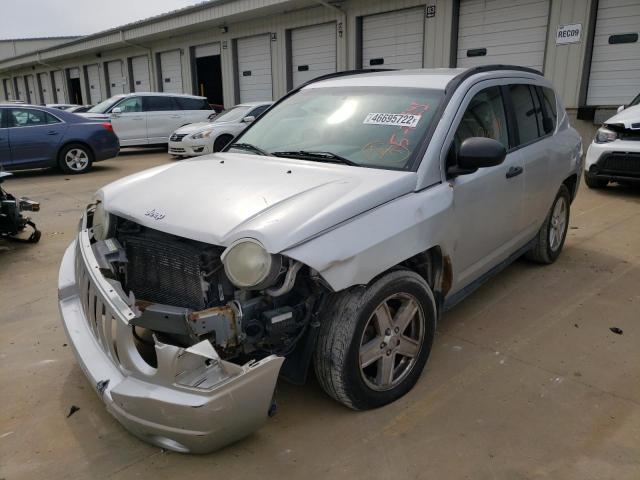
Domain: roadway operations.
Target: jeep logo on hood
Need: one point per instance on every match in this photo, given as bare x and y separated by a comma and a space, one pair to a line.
153, 213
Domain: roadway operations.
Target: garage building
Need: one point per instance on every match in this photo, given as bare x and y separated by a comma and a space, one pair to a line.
244, 50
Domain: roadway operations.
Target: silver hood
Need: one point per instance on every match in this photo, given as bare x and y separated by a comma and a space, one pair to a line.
223, 197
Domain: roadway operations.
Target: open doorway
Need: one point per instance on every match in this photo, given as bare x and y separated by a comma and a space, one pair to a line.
75, 90
208, 74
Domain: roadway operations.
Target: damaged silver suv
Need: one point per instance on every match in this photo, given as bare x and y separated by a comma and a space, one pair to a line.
331, 235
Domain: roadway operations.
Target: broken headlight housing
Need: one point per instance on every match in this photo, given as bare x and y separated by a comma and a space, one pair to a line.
605, 135
248, 265
102, 222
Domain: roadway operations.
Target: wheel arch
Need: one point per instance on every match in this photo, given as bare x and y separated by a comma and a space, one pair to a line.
571, 182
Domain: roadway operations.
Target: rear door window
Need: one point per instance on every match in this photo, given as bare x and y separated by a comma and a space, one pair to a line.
484, 117
25, 117
158, 104
525, 113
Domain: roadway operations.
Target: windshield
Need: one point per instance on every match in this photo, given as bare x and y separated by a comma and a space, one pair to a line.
102, 107
233, 115
379, 127
635, 101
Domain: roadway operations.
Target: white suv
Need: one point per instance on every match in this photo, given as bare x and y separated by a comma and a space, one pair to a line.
332, 234
150, 118
614, 154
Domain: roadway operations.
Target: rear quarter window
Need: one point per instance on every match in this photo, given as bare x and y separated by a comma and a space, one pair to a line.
192, 103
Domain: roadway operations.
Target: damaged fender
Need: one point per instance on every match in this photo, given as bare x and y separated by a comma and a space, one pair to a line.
387, 235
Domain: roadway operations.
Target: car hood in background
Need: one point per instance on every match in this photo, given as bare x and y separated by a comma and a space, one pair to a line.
224, 197
193, 128
628, 117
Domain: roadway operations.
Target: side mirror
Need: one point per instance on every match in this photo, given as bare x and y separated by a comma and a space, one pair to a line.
249, 119
475, 153
116, 111
620, 108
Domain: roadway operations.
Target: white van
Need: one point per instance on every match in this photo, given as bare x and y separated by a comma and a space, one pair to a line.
150, 118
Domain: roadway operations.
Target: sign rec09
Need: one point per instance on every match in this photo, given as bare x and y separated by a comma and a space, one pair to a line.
568, 33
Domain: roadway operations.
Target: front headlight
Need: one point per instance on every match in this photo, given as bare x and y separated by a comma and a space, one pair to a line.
248, 265
202, 134
102, 222
605, 135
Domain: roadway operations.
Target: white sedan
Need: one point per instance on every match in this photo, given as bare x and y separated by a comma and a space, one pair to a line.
208, 137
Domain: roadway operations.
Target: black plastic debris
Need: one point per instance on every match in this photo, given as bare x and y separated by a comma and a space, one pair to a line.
73, 410
101, 386
616, 330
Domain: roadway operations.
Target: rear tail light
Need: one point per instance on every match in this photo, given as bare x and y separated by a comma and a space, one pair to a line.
108, 126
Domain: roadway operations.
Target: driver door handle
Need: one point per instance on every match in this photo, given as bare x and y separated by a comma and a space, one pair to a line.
52, 132
514, 172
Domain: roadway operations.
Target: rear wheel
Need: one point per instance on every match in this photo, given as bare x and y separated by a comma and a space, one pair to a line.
553, 233
374, 341
595, 182
221, 142
75, 158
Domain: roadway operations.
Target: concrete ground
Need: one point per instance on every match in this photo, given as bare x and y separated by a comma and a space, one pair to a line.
526, 381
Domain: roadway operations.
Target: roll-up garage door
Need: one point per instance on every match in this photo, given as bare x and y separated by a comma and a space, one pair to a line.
93, 81
117, 80
207, 50
502, 31
171, 71
58, 86
615, 64
140, 72
31, 89
254, 68
394, 39
46, 93
313, 52
21, 89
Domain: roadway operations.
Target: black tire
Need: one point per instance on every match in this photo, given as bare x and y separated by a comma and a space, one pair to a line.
221, 142
337, 358
545, 251
85, 159
595, 182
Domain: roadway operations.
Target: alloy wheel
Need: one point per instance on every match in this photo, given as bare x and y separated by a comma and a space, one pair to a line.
76, 159
558, 224
391, 341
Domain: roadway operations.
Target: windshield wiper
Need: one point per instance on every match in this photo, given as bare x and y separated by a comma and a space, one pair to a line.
251, 148
318, 156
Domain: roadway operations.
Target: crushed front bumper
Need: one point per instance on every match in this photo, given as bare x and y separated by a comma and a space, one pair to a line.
189, 403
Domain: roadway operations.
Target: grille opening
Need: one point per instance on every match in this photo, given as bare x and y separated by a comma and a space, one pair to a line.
143, 340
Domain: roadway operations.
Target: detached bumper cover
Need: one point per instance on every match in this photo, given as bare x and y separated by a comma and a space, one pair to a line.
189, 403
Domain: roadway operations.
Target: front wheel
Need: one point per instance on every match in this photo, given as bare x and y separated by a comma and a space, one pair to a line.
552, 234
221, 142
374, 341
75, 158
594, 182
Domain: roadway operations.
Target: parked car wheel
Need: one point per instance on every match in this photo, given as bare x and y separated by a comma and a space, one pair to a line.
75, 158
221, 142
594, 182
375, 340
553, 233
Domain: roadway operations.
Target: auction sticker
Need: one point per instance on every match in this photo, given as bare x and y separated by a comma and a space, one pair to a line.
393, 119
